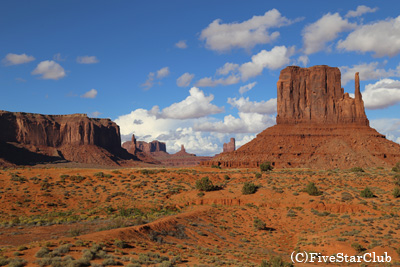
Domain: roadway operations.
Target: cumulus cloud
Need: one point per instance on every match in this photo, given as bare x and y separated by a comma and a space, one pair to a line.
210, 82
303, 60
361, 10
15, 59
388, 127
196, 105
368, 71
382, 94
246, 123
324, 30
228, 68
181, 44
246, 106
50, 70
162, 73
173, 132
95, 114
58, 57
245, 88
87, 60
185, 80
278, 57
90, 94
222, 37
382, 38
152, 77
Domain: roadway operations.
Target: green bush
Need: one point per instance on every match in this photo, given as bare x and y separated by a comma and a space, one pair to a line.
205, 184
357, 169
358, 247
42, 252
312, 190
120, 244
249, 188
258, 175
259, 224
396, 192
276, 262
396, 168
266, 166
367, 193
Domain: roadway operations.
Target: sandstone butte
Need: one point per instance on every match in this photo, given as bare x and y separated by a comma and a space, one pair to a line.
157, 151
317, 126
28, 138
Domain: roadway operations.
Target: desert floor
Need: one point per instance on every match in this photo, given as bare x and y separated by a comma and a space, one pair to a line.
157, 217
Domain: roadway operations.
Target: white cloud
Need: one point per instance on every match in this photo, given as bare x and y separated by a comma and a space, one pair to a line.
90, 94
173, 132
245, 88
185, 79
360, 11
151, 77
368, 71
303, 60
58, 57
324, 30
382, 38
228, 68
246, 106
278, 57
223, 37
210, 82
95, 114
382, 94
245, 139
50, 70
15, 59
162, 73
246, 123
87, 60
181, 44
196, 105
388, 127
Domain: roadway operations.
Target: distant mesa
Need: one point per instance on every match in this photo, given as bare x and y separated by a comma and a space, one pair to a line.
28, 139
318, 126
157, 150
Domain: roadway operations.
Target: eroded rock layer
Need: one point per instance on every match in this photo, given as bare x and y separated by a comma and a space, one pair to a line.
27, 138
318, 126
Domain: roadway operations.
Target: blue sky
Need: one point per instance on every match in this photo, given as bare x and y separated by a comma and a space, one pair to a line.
192, 72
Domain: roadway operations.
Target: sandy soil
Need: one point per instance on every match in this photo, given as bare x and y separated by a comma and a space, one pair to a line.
156, 217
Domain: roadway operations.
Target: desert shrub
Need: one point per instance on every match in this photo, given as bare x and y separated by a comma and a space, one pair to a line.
259, 224
18, 262
312, 190
266, 166
367, 193
4, 261
357, 169
226, 177
396, 179
258, 175
111, 262
99, 174
359, 248
396, 192
276, 262
396, 168
120, 244
346, 196
205, 184
42, 252
249, 188
216, 166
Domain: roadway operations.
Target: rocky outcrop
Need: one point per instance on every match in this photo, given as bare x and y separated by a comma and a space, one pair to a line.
73, 137
318, 126
229, 147
314, 95
153, 146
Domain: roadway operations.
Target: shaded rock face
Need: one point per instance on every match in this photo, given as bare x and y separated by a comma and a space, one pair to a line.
318, 126
229, 147
61, 137
153, 146
314, 95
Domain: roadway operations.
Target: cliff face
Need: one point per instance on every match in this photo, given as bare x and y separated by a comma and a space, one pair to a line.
314, 95
318, 126
153, 146
62, 137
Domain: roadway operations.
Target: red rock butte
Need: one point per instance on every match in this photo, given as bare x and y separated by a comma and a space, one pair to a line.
318, 126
